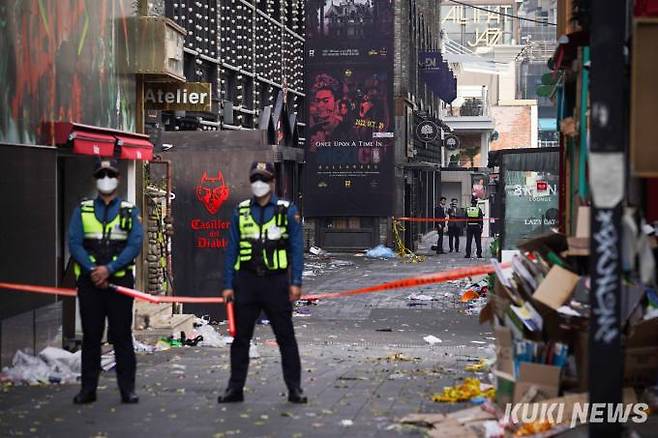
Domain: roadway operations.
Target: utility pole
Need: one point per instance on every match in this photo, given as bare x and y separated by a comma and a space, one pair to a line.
607, 181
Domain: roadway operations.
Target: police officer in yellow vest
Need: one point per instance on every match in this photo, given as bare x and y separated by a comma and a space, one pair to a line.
263, 271
474, 223
105, 236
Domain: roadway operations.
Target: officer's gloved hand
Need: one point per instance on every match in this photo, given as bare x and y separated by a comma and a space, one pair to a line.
228, 295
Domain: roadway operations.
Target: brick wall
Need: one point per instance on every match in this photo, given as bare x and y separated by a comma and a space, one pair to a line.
514, 124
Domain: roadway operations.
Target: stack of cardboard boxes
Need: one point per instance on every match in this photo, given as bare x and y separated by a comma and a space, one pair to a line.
540, 311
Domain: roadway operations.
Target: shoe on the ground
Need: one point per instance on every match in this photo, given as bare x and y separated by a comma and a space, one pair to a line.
84, 397
467, 256
450, 251
129, 398
231, 396
479, 256
297, 396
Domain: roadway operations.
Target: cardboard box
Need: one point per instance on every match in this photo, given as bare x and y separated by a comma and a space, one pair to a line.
552, 241
504, 388
580, 243
556, 288
504, 350
578, 247
545, 378
643, 334
641, 366
500, 299
583, 219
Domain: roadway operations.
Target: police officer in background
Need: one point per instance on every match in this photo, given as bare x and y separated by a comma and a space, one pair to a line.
474, 223
263, 271
105, 237
440, 213
454, 226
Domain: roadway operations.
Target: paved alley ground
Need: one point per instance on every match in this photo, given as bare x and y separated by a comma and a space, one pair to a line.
364, 359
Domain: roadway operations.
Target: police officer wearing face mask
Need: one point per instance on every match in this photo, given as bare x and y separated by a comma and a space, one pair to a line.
263, 271
105, 237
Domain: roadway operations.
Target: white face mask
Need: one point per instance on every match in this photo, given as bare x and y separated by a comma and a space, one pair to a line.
260, 188
107, 185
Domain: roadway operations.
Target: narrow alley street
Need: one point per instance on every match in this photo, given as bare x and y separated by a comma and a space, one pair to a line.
364, 358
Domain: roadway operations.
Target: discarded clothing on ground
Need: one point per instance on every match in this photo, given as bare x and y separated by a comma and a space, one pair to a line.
380, 252
52, 365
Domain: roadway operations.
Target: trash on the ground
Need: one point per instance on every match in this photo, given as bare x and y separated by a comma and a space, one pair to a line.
308, 274
530, 429
398, 357
470, 388
396, 376
449, 426
475, 306
211, 337
493, 429
352, 378
469, 295
253, 351
306, 302
315, 250
108, 361
52, 365
423, 420
481, 366
301, 312
421, 297
141, 347
380, 252
346, 423
431, 339
385, 329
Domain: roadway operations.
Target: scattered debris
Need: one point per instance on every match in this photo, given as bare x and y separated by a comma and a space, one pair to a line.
347, 423
421, 297
141, 347
431, 339
481, 366
317, 251
398, 357
530, 429
470, 389
380, 252
108, 361
52, 365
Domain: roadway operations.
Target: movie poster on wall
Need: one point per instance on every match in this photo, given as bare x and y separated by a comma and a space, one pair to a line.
349, 89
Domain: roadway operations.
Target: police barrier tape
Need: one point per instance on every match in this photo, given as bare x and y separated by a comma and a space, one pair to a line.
439, 219
441, 277
139, 295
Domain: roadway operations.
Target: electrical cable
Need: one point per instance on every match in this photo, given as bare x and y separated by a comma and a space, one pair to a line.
516, 17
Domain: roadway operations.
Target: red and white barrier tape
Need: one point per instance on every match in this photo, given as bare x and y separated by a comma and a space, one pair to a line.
441, 277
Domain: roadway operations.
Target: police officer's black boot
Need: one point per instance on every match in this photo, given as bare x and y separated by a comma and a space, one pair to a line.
129, 398
297, 396
231, 396
84, 397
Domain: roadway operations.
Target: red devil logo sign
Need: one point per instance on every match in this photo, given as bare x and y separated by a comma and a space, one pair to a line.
212, 191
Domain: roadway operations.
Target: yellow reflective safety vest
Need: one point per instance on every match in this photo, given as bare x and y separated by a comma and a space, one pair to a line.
104, 242
263, 248
473, 213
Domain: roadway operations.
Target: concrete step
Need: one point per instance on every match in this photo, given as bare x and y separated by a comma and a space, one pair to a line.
147, 312
165, 327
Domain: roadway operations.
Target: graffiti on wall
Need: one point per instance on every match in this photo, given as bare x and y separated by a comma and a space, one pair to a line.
60, 63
